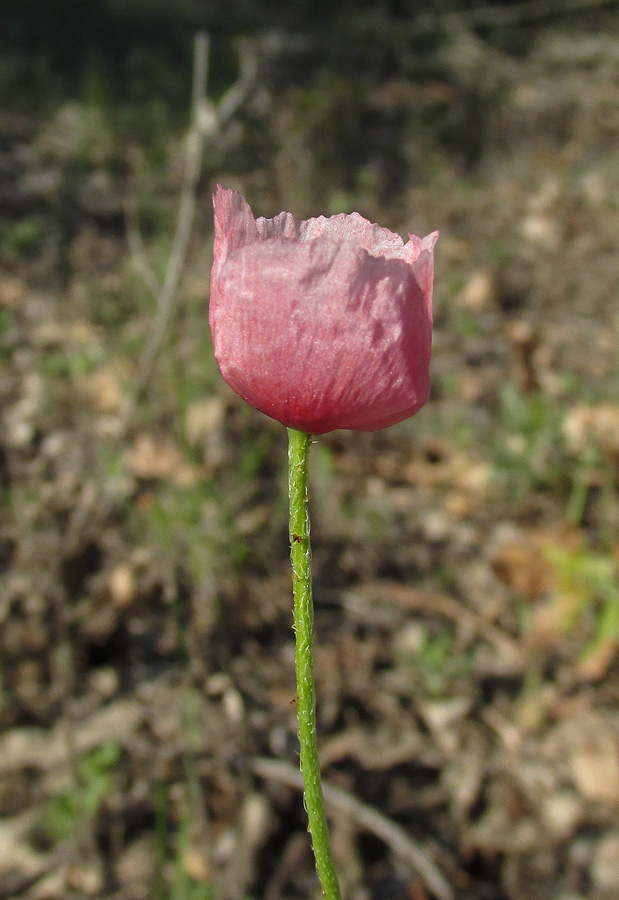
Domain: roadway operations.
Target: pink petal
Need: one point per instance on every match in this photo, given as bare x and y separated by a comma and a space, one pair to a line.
235, 225
324, 323
322, 336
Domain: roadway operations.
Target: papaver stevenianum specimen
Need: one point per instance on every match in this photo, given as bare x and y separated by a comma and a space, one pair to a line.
321, 324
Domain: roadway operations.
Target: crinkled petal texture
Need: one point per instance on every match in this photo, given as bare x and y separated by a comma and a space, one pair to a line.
321, 324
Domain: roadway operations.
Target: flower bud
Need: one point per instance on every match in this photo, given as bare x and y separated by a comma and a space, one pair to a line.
324, 323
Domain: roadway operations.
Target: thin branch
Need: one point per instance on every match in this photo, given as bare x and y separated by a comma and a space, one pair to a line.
337, 800
207, 120
235, 94
137, 249
186, 215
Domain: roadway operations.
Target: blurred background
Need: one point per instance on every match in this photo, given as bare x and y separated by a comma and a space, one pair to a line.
467, 602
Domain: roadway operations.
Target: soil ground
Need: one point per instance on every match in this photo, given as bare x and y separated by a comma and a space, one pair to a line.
465, 561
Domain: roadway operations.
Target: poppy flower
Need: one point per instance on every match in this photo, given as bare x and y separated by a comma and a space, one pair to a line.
324, 323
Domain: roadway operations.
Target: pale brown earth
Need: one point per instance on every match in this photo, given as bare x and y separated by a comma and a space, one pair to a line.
467, 603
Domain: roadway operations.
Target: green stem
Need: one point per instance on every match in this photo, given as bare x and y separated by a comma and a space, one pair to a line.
301, 559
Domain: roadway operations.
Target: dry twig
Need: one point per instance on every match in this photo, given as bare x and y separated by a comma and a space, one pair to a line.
202, 123
207, 120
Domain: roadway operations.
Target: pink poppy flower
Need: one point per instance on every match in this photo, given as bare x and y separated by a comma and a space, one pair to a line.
321, 324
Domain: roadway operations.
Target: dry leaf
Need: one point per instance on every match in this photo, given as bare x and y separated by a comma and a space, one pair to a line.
471, 385
525, 342
102, 388
202, 417
439, 463
479, 293
196, 866
541, 230
594, 763
121, 585
18, 861
598, 425
551, 619
594, 664
78, 332
12, 292
605, 868
521, 559
151, 459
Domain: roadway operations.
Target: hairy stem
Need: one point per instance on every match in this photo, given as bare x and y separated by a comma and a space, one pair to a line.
301, 559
